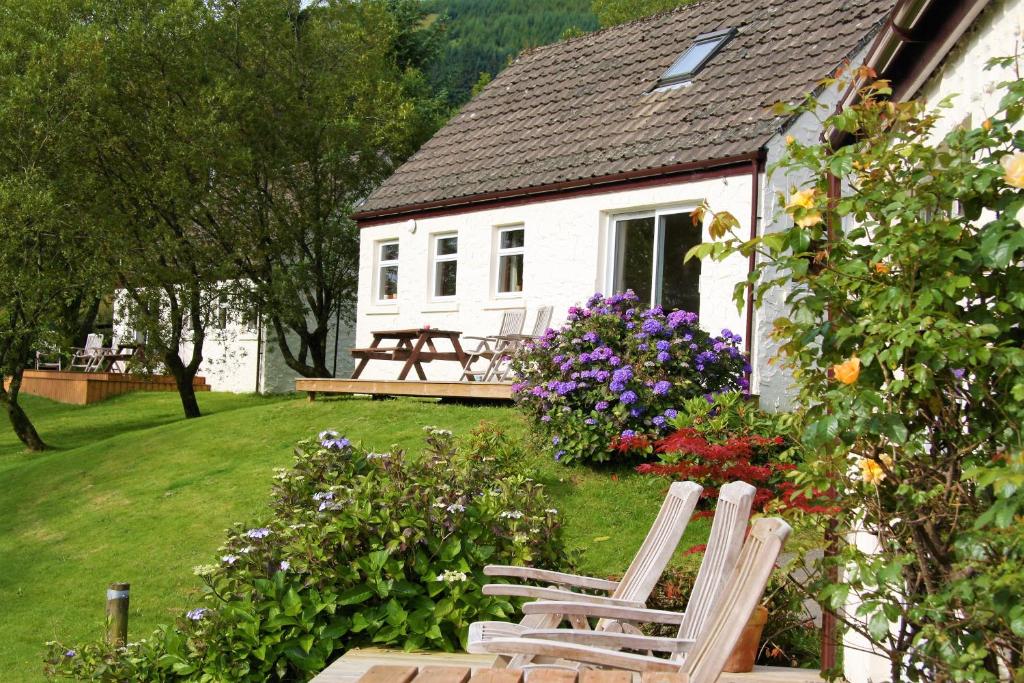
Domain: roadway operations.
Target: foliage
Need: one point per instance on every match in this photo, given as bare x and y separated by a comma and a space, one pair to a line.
906, 299
482, 36
616, 374
790, 637
361, 548
614, 12
47, 253
728, 439
313, 109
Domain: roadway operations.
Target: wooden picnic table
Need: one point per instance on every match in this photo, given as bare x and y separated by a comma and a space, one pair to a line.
413, 347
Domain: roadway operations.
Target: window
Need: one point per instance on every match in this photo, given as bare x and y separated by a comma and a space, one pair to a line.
696, 56
647, 256
387, 270
511, 246
446, 265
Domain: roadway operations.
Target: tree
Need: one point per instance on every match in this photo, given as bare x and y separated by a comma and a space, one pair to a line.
46, 264
614, 12
313, 108
905, 335
144, 133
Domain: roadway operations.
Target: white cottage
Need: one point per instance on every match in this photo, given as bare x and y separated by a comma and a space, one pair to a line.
577, 170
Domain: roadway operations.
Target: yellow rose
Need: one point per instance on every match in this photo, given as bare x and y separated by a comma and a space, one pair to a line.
848, 371
804, 199
1013, 167
790, 139
870, 471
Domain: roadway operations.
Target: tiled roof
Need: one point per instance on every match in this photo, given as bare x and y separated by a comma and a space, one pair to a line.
585, 108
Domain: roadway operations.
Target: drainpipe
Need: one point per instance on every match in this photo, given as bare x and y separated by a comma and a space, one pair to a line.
259, 348
756, 165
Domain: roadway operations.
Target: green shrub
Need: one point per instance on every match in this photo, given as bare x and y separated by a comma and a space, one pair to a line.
360, 548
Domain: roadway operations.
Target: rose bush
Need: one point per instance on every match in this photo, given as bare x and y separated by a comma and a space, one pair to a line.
906, 341
614, 376
360, 548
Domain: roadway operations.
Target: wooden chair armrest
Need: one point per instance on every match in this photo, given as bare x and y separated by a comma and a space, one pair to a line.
602, 609
557, 594
628, 641
547, 576
573, 652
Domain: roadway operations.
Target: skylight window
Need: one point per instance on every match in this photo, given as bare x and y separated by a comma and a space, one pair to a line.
696, 56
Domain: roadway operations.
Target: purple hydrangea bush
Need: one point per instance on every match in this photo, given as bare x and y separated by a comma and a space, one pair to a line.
618, 371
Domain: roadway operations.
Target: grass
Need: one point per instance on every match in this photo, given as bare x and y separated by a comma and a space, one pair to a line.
132, 492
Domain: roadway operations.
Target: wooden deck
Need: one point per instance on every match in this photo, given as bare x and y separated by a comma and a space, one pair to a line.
350, 667
489, 391
84, 388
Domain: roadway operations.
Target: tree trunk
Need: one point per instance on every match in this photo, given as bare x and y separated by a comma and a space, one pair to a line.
183, 377
313, 343
20, 421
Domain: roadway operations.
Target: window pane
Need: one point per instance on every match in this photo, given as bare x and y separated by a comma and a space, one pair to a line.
444, 278
389, 252
680, 282
634, 253
447, 245
510, 273
389, 282
512, 239
692, 58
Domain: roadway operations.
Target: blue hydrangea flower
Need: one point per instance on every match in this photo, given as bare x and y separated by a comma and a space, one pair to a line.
197, 613
663, 356
601, 405
627, 397
663, 345
663, 387
671, 413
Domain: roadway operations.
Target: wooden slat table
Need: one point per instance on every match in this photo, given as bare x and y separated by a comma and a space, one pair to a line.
413, 346
463, 674
357, 662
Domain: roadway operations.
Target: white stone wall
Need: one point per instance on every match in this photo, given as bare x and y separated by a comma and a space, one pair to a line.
238, 359
566, 260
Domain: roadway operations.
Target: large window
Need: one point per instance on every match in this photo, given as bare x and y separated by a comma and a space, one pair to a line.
387, 270
511, 247
446, 265
647, 257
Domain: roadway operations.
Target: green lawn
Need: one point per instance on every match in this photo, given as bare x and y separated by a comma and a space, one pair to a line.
132, 492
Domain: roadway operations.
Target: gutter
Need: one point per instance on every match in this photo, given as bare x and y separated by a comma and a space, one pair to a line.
912, 43
473, 202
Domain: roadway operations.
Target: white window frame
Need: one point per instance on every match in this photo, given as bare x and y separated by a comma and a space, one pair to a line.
659, 245
380, 265
499, 253
437, 259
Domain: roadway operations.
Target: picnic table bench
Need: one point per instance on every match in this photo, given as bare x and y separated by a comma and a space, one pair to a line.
413, 347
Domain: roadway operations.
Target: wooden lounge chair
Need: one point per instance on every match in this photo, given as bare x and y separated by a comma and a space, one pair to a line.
87, 358
633, 589
511, 324
723, 548
699, 659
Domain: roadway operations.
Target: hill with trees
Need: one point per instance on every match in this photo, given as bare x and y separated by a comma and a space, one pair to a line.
483, 35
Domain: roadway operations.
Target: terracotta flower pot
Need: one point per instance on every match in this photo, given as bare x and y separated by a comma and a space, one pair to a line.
745, 653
